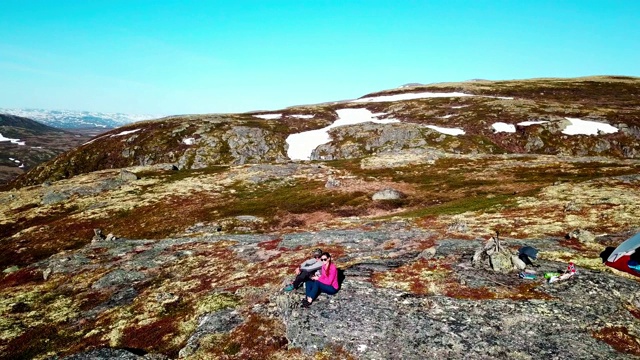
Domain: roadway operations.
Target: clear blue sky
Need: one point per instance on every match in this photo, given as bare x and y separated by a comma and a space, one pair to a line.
190, 56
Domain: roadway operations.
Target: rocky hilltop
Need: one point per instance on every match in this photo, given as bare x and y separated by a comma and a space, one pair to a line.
202, 220
488, 117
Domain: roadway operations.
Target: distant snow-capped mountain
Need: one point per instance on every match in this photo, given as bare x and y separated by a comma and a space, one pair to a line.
68, 119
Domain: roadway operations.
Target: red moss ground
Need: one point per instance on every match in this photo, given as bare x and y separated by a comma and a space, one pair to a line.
256, 338
154, 337
21, 277
619, 338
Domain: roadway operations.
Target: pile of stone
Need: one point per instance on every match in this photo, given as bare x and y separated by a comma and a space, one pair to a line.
496, 257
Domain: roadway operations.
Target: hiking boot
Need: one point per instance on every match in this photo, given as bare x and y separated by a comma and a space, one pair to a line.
305, 303
289, 288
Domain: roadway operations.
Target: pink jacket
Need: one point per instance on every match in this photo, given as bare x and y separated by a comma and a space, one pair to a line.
329, 277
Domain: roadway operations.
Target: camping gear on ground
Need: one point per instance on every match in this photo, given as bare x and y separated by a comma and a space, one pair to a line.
525, 259
554, 276
524, 275
632, 264
549, 275
528, 251
624, 254
564, 276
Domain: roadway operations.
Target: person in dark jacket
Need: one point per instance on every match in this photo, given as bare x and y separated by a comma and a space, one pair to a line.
306, 270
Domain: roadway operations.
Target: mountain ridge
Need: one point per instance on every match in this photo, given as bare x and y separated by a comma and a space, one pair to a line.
72, 119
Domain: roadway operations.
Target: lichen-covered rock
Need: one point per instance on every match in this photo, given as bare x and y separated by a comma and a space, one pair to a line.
53, 197
114, 354
501, 262
117, 278
582, 235
387, 194
127, 176
221, 321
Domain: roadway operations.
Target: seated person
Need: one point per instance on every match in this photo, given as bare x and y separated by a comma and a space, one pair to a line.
306, 270
326, 283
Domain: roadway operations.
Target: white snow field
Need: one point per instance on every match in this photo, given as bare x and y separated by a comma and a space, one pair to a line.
448, 131
126, 132
585, 127
302, 144
532, 122
422, 95
269, 116
503, 127
577, 127
13, 141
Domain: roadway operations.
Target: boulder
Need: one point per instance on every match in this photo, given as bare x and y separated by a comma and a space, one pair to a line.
388, 194
500, 262
427, 253
517, 263
127, 175
332, 183
584, 236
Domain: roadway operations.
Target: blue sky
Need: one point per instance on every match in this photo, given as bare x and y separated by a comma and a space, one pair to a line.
189, 56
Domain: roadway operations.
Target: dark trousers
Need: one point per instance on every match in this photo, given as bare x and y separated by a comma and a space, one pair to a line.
300, 278
313, 288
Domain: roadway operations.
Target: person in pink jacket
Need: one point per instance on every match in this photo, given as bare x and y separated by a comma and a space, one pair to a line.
326, 283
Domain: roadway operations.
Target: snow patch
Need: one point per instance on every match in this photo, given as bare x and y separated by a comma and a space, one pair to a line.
503, 127
189, 141
126, 132
501, 97
448, 131
303, 116
301, 145
459, 107
13, 141
445, 116
528, 123
362, 348
269, 116
17, 161
410, 96
90, 141
586, 127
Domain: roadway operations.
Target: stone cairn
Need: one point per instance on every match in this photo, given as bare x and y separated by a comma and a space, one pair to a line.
100, 237
497, 257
